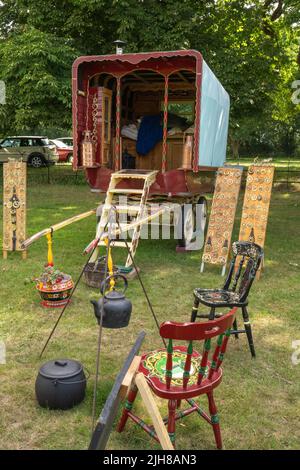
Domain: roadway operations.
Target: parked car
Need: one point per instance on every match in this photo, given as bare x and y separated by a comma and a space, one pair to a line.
65, 152
35, 150
66, 140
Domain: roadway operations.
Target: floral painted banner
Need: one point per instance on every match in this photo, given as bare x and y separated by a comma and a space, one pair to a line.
221, 221
256, 204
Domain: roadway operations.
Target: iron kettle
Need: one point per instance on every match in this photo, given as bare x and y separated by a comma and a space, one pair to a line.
116, 307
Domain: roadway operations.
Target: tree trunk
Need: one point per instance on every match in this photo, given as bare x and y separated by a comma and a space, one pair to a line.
235, 146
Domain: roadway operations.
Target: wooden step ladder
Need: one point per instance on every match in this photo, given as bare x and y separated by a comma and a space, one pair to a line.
111, 208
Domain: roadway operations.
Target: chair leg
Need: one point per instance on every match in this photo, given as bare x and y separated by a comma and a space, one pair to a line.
248, 330
214, 419
212, 313
235, 327
172, 405
128, 406
195, 310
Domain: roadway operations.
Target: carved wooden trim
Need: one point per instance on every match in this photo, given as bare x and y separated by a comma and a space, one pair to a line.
14, 205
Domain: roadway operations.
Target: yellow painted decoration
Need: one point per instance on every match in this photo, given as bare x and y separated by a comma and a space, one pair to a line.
50, 254
110, 266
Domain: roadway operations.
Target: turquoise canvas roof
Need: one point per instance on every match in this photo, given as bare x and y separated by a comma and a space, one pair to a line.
214, 120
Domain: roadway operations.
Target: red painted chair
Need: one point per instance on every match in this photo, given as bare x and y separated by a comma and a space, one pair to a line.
181, 373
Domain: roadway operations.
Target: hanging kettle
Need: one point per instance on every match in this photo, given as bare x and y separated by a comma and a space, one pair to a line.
116, 307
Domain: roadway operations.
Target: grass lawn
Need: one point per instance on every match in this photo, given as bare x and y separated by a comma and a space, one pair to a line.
259, 400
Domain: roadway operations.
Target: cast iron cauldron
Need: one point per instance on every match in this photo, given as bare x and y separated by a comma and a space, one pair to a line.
60, 384
116, 308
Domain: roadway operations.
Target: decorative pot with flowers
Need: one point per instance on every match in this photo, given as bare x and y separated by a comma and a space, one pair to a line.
54, 286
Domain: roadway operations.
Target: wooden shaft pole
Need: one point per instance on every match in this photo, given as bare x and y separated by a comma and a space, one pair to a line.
126, 228
55, 227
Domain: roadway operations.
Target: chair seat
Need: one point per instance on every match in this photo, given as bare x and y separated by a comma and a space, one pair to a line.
219, 298
153, 366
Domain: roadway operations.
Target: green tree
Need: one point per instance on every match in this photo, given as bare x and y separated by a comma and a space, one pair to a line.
250, 44
283, 24
36, 68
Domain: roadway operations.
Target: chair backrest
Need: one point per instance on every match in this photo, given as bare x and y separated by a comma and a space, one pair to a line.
202, 331
241, 274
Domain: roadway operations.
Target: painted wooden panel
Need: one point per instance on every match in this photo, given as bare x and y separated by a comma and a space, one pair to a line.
256, 204
14, 205
221, 221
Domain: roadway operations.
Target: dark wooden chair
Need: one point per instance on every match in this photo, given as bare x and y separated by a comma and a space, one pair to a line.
181, 373
235, 290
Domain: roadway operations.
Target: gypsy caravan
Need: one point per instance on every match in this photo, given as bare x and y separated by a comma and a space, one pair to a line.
150, 124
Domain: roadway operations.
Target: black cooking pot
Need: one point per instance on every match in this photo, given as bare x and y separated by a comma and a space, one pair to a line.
116, 307
60, 384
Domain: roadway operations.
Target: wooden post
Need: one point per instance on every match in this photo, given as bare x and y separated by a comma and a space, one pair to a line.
165, 127
129, 377
118, 124
153, 411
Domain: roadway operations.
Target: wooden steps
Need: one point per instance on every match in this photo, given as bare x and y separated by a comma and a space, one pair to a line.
130, 209
127, 191
110, 210
136, 174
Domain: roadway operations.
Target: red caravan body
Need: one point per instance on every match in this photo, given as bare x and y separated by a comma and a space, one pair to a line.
169, 181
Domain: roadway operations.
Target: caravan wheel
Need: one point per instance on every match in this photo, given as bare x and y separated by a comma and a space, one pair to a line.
186, 226
201, 213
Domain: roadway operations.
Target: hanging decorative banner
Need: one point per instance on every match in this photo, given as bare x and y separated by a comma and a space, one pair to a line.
218, 238
88, 150
256, 204
96, 143
14, 206
89, 143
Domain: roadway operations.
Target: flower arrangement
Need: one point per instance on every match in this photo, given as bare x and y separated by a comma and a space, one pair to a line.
54, 286
52, 276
